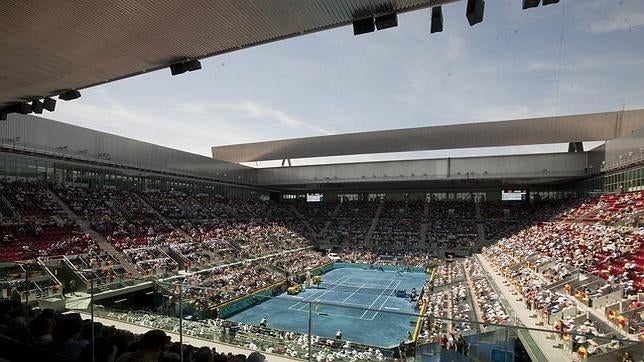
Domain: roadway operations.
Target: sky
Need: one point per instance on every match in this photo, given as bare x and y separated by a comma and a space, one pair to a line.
578, 56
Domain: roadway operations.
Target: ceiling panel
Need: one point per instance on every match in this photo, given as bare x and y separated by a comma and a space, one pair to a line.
48, 46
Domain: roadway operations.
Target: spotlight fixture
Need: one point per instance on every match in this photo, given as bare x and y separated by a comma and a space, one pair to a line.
363, 26
475, 9
187, 66
23, 108
49, 104
530, 4
437, 20
548, 2
37, 106
193, 65
178, 68
386, 21
69, 95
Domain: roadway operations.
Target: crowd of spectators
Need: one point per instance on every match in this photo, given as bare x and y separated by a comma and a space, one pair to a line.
384, 257
152, 260
609, 209
396, 233
53, 336
613, 253
598, 236
451, 232
265, 339
488, 301
298, 262
208, 289
351, 222
32, 224
448, 304
582, 239
99, 265
114, 213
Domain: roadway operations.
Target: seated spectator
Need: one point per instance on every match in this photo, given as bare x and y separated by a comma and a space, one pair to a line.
150, 347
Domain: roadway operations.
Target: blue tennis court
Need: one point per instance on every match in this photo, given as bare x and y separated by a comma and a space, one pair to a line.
365, 307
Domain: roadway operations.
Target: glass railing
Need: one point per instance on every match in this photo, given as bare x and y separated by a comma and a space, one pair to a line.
289, 327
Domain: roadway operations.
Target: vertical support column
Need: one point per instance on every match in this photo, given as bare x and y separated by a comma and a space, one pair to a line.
507, 338
310, 352
181, 321
26, 293
91, 311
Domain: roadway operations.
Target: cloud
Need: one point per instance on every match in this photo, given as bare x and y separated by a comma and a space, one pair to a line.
582, 63
616, 16
252, 110
191, 127
180, 131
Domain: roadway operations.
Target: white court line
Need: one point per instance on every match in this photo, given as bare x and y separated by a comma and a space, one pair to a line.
375, 300
352, 294
305, 299
318, 298
385, 302
326, 291
392, 308
334, 315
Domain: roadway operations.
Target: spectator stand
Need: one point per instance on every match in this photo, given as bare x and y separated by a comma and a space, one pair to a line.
593, 291
317, 215
152, 261
101, 267
628, 315
556, 308
276, 343
28, 281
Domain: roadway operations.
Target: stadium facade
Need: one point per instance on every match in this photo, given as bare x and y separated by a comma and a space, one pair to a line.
37, 148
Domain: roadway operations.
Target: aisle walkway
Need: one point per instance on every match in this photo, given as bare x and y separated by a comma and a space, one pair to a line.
524, 315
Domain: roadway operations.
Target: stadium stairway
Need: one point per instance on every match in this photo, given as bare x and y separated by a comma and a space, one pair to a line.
104, 244
328, 222
470, 289
423, 234
6, 208
480, 230
424, 226
374, 222
303, 219
161, 217
521, 314
524, 315
637, 216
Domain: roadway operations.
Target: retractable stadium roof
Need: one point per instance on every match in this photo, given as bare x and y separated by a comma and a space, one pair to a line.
47, 47
519, 132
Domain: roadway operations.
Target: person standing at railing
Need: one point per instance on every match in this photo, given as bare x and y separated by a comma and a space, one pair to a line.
72, 287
